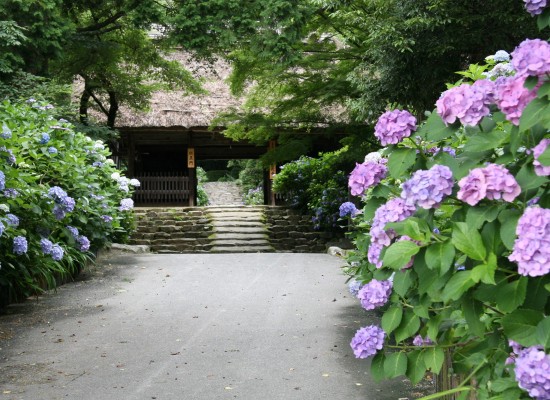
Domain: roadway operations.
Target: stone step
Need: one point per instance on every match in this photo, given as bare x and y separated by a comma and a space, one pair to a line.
238, 236
244, 229
221, 224
236, 242
242, 249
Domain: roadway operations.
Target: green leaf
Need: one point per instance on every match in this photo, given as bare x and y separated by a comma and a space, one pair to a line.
468, 241
521, 326
377, 367
544, 90
440, 256
512, 295
458, 285
400, 161
543, 333
501, 384
508, 223
477, 216
395, 365
485, 141
391, 319
485, 272
413, 227
399, 254
544, 158
402, 281
433, 326
435, 129
543, 20
433, 358
527, 178
536, 111
371, 207
531, 82
537, 295
410, 324
416, 368
473, 311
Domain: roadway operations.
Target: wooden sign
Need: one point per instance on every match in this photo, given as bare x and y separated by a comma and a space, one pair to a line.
191, 157
272, 170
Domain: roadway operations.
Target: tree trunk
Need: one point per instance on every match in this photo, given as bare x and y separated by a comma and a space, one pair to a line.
113, 109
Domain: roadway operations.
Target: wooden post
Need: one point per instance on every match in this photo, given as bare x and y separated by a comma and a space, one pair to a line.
131, 156
272, 172
192, 176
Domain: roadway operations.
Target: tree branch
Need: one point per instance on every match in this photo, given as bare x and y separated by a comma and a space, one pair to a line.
101, 25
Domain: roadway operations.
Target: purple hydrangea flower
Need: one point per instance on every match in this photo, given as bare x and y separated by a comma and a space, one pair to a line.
84, 243
532, 57
73, 231
11, 193
535, 7
2, 180
97, 164
436, 150
348, 208
427, 188
126, 205
394, 210
393, 126
532, 247
354, 286
375, 294
52, 150
58, 212
107, 218
540, 169
44, 138
366, 175
56, 193
57, 252
2, 227
46, 246
6, 132
10, 158
420, 341
516, 349
467, 103
492, 182
12, 220
68, 204
512, 97
19, 245
533, 372
367, 341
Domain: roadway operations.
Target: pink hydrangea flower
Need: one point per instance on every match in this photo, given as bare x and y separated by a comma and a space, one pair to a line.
492, 182
540, 169
366, 175
532, 247
535, 7
532, 57
467, 103
393, 126
512, 97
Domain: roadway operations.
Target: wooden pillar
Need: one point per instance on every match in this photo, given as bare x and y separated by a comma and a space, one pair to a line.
192, 176
131, 156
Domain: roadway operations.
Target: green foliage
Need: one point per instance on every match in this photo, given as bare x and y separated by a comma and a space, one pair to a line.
202, 196
71, 161
453, 282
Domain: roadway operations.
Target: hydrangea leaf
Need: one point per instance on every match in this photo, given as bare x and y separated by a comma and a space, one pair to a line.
485, 141
410, 324
440, 256
527, 178
512, 295
537, 295
544, 158
544, 90
391, 319
377, 367
468, 241
395, 365
402, 281
458, 285
485, 272
508, 223
543, 333
400, 161
537, 111
521, 326
433, 358
416, 367
477, 216
543, 19
435, 129
399, 254
473, 311
415, 228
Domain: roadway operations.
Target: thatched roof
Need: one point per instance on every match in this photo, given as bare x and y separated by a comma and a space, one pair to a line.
179, 109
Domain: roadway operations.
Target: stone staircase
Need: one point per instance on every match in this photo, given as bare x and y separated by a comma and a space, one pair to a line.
227, 229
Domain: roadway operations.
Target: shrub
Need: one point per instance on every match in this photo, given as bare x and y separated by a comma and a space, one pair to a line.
67, 197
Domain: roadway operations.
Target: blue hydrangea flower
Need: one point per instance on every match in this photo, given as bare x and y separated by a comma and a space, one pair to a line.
84, 243
57, 252
20, 245
126, 205
44, 138
348, 208
6, 132
58, 212
73, 230
12, 220
10, 158
11, 193
46, 246
2, 180
52, 150
501, 56
97, 164
107, 218
1, 228
354, 287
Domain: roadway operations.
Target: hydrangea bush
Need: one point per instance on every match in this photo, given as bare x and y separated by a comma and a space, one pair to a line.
61, 198
454, 240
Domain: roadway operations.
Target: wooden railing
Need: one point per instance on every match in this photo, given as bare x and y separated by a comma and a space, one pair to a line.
162, 187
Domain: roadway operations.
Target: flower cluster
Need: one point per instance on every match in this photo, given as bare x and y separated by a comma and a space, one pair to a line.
492, 182
6, 132
367, 341
44, 138
535, 7
20, 245
420, 341
393, 126
532, 247
83, 241
428, 188
394, 210
12, 220
366, 175
348, 208
533, 372
511, 96
55, 250
354, 286
375, 294
126, 204
467, 103
532, 57
63, 203
540, 169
